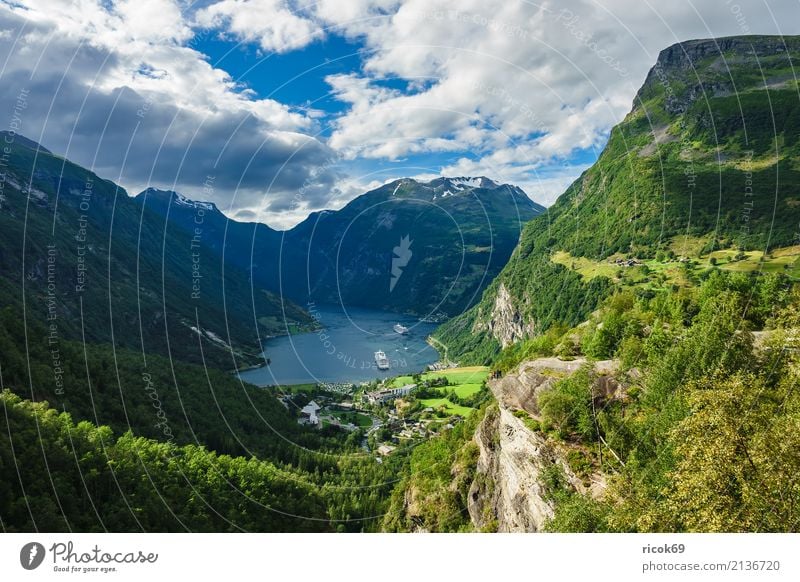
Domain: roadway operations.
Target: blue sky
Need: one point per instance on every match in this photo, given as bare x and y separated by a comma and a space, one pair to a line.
294, 107
296, 78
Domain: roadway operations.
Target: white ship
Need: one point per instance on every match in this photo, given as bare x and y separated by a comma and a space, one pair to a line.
401, 329
381, 360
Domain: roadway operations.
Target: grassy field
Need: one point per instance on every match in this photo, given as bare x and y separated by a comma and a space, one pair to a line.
464, 390
465, 375
356, 418
783, 260
464, 382
449, 407
587, 268
688, 246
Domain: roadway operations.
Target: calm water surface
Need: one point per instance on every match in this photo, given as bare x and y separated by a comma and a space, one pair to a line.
344, 350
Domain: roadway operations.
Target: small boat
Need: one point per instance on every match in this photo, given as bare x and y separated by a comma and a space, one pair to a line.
401, 329
381, 360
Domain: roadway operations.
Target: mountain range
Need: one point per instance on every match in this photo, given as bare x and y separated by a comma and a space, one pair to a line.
422, 248
162, 273
83, 257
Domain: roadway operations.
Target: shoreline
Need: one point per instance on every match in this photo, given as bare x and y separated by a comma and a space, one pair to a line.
265, 338
277, 352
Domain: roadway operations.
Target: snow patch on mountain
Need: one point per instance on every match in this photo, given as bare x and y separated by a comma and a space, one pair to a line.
479, 182
179, 199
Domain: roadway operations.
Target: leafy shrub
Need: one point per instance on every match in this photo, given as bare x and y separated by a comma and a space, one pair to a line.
567, 406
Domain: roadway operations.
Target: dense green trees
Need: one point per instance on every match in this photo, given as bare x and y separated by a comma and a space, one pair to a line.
432, 492
737, 463
567, 408
186, 408
705, 437
62, 476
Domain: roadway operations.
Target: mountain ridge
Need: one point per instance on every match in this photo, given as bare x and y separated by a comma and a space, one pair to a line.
691, 159
462, 185
345, 255
84, 246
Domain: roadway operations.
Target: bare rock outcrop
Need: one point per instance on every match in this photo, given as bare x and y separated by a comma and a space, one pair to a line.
506, 322
521, 388
507, 493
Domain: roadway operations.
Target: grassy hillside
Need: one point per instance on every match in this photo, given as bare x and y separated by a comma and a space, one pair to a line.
708, 151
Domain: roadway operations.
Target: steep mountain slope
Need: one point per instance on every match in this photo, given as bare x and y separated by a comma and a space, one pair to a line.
673, 411
705, 161
91, 263
427, 248
649, 364
422, 248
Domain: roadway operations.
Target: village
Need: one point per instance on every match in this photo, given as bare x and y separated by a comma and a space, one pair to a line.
393, 413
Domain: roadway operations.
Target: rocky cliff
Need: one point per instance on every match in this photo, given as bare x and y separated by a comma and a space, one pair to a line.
508, 493
506, 323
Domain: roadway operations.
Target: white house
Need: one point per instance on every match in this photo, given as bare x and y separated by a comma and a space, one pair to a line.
309, 412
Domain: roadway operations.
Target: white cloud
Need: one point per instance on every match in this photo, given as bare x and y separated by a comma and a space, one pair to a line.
507, 89
271, 24
516, 85
149, 35
491, 69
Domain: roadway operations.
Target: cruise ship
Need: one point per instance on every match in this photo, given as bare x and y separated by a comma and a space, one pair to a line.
401, 329
381, 360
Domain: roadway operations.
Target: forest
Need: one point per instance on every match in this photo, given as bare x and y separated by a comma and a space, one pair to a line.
201, 433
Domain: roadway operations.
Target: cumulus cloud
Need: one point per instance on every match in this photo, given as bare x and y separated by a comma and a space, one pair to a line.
519, 86
273, 24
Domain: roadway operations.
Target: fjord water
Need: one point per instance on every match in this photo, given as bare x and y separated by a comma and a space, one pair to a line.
343, 349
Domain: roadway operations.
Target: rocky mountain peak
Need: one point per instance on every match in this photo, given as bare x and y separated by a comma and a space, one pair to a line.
176, 199
462, 183
687, 54
702, 68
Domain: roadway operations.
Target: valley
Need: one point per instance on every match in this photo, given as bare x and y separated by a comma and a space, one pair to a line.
393, 415
437, 354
